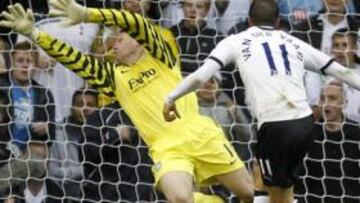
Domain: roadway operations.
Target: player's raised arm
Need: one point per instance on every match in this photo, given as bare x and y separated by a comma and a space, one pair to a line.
219, 57
318, 61
134, 24
99, 75
347, 75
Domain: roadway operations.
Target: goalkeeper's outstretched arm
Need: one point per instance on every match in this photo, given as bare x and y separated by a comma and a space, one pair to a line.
138, 27
99, 75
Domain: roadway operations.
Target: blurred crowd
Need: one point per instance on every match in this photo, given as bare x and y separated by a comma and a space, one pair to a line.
62, 141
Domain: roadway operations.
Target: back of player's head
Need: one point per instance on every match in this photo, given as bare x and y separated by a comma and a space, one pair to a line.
264, 12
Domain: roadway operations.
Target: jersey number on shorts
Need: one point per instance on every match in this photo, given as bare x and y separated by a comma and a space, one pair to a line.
265, 167
270, 58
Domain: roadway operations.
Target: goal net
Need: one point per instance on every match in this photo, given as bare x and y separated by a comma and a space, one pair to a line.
62, 141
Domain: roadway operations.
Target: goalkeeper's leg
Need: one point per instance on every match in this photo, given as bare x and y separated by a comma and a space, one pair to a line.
178, 188
240, 183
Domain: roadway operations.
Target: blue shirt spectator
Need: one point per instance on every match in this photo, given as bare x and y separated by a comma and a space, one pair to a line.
301, 9
31, 113
22, 114
311, 7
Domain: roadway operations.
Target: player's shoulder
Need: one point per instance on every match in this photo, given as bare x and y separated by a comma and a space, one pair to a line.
285, 36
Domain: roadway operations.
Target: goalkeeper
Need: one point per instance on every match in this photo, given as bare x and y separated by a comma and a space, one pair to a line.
190, 149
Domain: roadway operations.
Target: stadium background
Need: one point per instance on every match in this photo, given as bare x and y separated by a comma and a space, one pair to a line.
118, 169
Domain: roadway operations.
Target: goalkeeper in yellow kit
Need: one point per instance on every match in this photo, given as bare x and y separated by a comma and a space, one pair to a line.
190, 149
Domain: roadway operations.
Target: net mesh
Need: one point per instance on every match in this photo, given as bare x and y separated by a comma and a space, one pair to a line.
88, 154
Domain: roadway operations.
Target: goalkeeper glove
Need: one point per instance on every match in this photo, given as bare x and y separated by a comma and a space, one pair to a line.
72, 12
20, 21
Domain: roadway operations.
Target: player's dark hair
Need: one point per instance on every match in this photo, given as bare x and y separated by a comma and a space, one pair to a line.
264, 12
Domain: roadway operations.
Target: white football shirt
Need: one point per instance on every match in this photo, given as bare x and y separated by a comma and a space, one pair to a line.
272, 64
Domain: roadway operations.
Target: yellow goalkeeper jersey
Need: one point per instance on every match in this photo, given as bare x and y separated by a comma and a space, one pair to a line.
140, 88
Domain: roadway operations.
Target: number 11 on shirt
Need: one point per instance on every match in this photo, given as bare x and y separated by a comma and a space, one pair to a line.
270, 59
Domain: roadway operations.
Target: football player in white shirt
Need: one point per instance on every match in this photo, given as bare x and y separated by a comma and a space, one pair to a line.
272, 65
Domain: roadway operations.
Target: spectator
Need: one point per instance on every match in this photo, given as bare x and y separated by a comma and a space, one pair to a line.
99, 3
321, 27
318, 32
332, 164
234, 120
35, 190
297, 11
148, 8
171, 12
344, 50
62, 82
224, 14
5, 52
144, 7
65, 163
194, 38
111, 139
31, 114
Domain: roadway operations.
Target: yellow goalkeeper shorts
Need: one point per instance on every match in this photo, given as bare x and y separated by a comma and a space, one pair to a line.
202, 155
